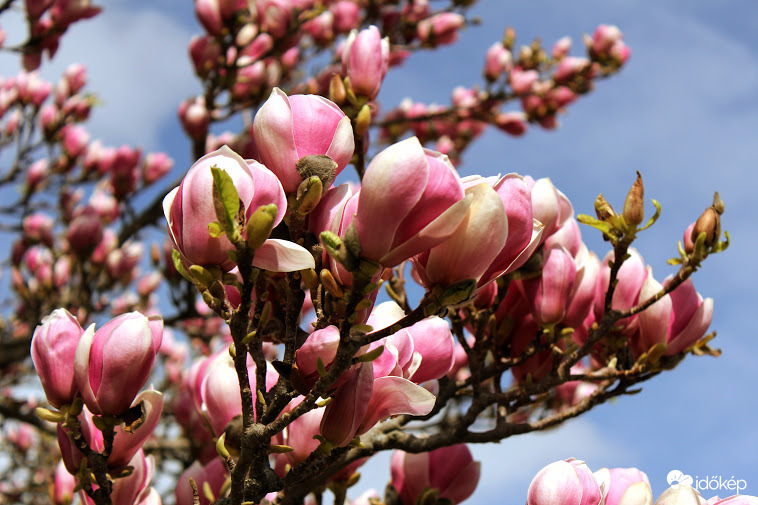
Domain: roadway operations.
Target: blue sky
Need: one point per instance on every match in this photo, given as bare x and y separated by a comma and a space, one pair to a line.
684, 113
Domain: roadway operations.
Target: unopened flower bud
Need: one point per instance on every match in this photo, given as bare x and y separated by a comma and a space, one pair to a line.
337, 89
309, 194
709, 223
319, 165
603, 209
260, 225
634, 205
337, 250
363, 121
330, 283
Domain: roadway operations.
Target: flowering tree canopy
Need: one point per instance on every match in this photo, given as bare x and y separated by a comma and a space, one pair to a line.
283, 324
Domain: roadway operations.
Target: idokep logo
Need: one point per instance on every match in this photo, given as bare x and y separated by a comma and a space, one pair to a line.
676, 477
710, 483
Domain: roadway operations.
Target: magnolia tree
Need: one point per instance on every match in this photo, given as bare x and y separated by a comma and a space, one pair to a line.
273, 313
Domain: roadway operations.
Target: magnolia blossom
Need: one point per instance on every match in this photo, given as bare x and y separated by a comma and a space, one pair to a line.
365, 59
189, 209
213, 474
496, 236
567, 482
678, 320
288, 128
387, 386
133, 489
113, 363
220, 391
631, 277
624, 486
452, 471
410, 200
125, 443
53, 348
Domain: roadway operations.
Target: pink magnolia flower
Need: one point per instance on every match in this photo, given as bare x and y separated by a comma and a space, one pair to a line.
410, 200
194, 117
75, 77
549, 293
346, 15
498, 60
512, 123
213, 473
388, 386
53, 348
365, 59
475, 244
156, 165
569, 67
209, 14
125, 443
274, 16
496, 237
582, 297
289, 128
522, 81
684, 494
135, 488
562, 47
549, 206
567, 482
440, 28
220, 392
677, 320
451, 470
190, 208
112, 364
75, 140
62, 491
604, 37
624, 486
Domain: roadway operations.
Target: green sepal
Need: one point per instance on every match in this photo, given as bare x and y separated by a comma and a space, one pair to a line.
201, 275
279, 449
721, 245
371, 355
655, 216
603, 226
458, 293
320, 367
226, 201
176, 257
215, 229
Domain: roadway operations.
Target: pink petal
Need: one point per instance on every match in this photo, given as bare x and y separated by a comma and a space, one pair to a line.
126, 444
348, 407
395, 395
276, 255
434, 342
694, 330
470, 250
393, 183
273, 129
431, 235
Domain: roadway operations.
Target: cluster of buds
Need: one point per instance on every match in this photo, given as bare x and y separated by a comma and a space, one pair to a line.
544, 84
48, 20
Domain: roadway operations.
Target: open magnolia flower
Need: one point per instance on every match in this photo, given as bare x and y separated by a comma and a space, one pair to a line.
189, 209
